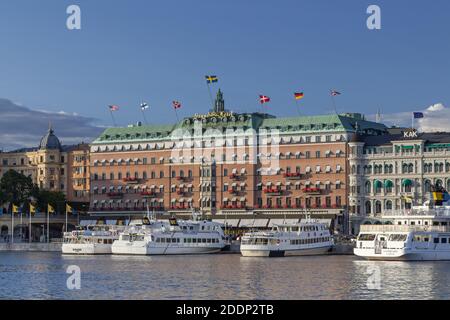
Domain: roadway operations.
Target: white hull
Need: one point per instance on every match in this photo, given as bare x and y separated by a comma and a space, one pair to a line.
86, 248
255, 251
141, 248
404, 255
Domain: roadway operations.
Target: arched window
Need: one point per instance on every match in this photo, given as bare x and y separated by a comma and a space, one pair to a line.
448, 185
181, 173
447, 167
389, 205
410, 168
439, 183
405, 168
144, 175
377, 185
427, 186
368, 187
353, 169
368, 207
378, 206
388, 185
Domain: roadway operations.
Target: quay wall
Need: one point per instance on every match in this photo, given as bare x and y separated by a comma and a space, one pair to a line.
37, 247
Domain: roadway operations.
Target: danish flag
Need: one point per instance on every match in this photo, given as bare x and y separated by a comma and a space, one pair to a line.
263, 99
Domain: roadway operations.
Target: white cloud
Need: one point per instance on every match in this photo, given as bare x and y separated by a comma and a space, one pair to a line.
23, 127
436, 118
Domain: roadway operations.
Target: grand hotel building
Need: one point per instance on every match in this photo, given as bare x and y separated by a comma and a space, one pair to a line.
249, 168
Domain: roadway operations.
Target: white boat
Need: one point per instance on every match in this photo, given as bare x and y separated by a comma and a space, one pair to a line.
183, 237
94, 239
422, 233
299, 239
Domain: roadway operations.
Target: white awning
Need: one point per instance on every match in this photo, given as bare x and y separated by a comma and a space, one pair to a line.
234, 184
338, 182
234, 170
231, 222
259, 184
242, 198
282, 221
307, 183
87, 222
327, 222
278, 183
260, 223
242, 184
242, 170
298, 153
297, 183
225, 199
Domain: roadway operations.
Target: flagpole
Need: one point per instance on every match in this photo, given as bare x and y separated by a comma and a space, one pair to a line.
176, 114
334, 102
29, 231
298, 107
210, 94
12, 225
112, 116
143, 114
66, 217
48, 225
412, 121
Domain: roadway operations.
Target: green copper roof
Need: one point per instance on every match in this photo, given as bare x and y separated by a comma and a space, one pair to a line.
227, 120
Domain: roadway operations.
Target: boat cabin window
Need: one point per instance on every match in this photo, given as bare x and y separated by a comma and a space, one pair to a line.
366, 237
398, 237
443, 240
426, 223
436, 240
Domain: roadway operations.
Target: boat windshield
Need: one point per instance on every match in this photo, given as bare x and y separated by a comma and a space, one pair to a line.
366, 237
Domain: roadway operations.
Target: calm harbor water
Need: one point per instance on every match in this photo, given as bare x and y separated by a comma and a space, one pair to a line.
43, 276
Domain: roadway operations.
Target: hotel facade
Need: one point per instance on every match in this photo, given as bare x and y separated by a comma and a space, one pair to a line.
249, 168
395, 172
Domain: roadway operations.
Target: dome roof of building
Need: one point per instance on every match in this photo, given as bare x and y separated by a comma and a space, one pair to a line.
50, 141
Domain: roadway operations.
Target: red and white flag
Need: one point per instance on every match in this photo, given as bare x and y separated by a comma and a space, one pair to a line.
335, 93
113, 107
263, 99
176, 104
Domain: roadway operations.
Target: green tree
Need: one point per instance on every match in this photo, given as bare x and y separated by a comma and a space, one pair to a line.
16, 188
56, 199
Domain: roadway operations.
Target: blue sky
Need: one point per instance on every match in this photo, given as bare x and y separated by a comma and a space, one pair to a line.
158, 51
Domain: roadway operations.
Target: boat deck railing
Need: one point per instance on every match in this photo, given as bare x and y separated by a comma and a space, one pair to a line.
443, 211
402, 228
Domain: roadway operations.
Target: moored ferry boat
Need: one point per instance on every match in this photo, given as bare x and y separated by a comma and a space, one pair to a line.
422, 233
183, 237
94, 239
304, 238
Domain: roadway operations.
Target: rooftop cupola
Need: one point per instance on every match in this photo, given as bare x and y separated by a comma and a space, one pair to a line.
219, 104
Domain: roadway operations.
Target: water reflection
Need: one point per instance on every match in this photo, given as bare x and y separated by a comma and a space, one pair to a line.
43, 276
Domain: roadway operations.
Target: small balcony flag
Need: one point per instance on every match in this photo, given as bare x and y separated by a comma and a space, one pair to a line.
144, 105
15, 209
113, 107
32, 209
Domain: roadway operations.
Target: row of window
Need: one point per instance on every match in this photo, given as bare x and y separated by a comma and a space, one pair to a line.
310, 241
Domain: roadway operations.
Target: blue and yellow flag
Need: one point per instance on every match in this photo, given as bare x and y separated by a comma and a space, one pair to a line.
211, 79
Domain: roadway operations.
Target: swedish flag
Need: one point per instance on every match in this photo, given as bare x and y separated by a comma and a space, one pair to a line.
211, 79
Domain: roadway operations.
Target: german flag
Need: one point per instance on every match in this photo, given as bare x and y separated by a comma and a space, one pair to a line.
298, 95
211, 79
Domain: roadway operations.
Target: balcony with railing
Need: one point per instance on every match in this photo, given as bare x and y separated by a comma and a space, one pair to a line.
312, 191
292, 175
131, 180
273, 191
115, 195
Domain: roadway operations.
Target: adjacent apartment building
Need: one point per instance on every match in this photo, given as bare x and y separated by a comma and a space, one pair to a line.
53, 167
395, 172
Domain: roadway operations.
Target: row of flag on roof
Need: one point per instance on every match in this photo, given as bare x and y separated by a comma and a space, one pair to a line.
50, 209
297, 96
262, 98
